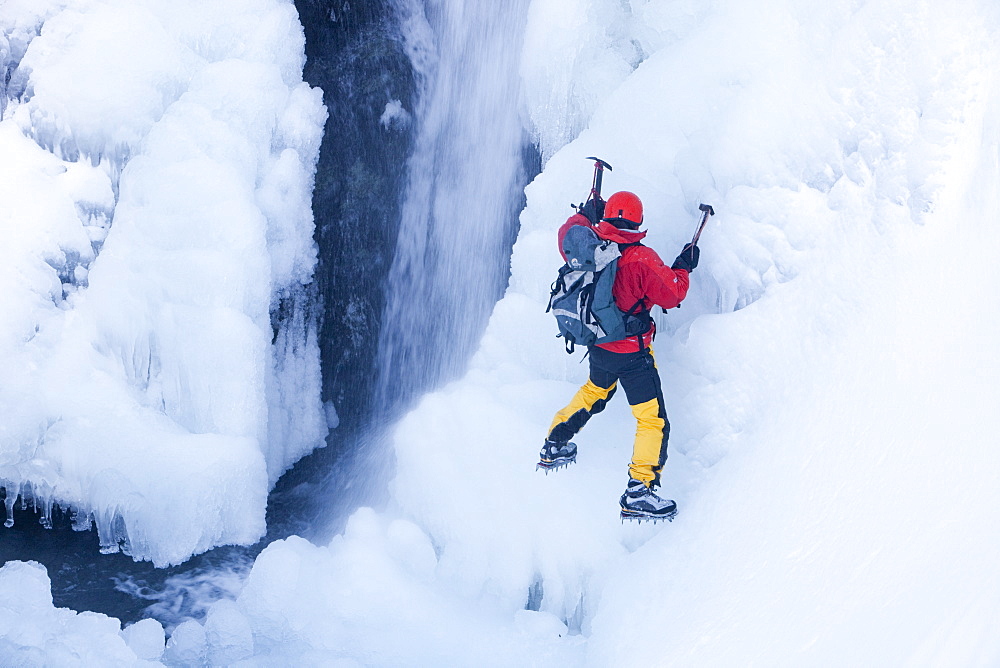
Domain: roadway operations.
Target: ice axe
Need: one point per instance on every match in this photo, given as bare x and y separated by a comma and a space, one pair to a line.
599, 166
707, 211
593, 208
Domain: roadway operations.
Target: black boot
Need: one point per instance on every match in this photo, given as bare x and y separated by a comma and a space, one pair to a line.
556, 454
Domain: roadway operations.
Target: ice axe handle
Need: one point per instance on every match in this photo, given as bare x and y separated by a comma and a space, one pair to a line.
707, 211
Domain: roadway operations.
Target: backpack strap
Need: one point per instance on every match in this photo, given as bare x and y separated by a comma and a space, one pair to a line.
559, 285
639, 307
636, 310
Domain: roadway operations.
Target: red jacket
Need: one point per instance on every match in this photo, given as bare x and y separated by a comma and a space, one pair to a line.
642, 275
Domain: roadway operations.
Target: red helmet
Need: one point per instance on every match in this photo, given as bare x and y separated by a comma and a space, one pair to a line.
624, 207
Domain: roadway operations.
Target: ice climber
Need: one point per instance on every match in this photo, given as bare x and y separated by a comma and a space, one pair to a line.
642, 281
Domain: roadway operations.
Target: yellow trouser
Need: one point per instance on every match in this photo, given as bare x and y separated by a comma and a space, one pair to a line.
649, 430
589, 400
641, 382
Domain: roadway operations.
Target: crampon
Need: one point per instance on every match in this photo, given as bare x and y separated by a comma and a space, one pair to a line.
554, 464
555, 455
646, 517
641, 503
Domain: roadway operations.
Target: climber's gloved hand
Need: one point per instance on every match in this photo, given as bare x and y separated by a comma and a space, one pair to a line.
688, 259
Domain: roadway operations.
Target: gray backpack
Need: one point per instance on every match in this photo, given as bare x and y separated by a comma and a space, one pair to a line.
581, 298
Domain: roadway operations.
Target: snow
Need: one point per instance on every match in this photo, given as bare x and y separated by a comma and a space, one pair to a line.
371, 596
831, 378
35, 633
145, 638
157, 179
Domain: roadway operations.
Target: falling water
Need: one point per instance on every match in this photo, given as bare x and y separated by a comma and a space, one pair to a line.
465, 189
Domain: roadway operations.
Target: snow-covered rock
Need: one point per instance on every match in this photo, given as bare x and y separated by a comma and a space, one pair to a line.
36, 633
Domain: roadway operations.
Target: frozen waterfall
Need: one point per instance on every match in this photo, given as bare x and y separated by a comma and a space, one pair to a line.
161, 365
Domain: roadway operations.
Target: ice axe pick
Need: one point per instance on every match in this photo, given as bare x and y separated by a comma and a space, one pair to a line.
707, 211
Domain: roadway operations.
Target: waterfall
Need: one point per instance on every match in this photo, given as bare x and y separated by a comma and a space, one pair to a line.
466, 177
355, 53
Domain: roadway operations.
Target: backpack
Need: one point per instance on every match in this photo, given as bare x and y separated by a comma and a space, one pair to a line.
581, 299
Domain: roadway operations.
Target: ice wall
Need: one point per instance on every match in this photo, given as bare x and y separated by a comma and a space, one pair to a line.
162, 364
576, 53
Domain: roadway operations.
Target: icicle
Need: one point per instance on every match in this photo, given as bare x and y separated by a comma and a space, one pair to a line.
82, 520
8, 502
112, 534
536, 592
105, 532
46, 517
574, 622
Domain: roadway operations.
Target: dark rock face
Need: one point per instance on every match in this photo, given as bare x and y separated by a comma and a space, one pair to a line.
354, 52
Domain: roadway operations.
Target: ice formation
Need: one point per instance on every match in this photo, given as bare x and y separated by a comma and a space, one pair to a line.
36, 633
161, 370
